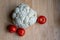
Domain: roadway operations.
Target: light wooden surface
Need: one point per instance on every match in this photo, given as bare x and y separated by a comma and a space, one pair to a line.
48, 31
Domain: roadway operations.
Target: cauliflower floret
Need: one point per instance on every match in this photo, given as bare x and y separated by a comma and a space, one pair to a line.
24, 16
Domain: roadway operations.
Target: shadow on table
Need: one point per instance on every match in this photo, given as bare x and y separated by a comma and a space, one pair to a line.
9, 16
57, 12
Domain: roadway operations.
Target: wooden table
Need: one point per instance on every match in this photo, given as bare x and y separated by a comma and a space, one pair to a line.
48, 31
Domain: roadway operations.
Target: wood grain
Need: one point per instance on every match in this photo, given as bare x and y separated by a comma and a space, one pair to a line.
47, 31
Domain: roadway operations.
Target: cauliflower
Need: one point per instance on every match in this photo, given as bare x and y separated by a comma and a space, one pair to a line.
24, 16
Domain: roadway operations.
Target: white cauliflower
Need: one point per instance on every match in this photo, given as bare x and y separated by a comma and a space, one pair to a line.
24, 16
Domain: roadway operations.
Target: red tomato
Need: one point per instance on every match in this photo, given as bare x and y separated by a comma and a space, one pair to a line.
12, 28
41, 19
20, 31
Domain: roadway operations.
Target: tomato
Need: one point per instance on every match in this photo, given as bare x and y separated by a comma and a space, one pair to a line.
12, 28
41, 19
20, 31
